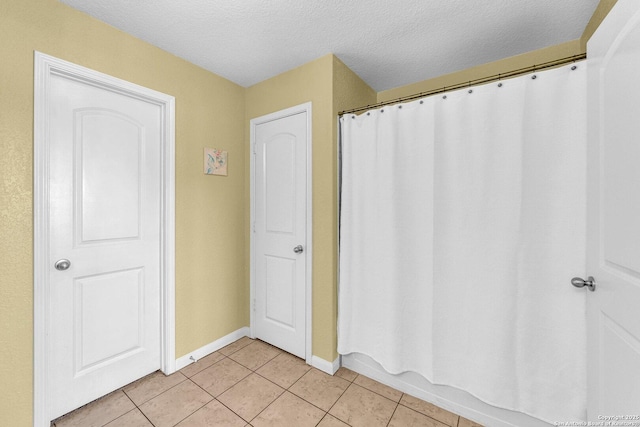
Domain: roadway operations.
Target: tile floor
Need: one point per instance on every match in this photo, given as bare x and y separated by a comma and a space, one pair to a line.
251, 383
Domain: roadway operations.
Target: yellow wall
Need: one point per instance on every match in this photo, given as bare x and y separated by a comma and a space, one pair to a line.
316, 82
601, 11
211, 294
349, 90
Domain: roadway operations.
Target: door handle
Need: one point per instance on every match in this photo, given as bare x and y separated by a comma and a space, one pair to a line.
579, 282
298, 249
62, 264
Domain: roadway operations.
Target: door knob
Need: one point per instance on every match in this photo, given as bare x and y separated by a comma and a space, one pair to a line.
298, 249
579, 282
62, 264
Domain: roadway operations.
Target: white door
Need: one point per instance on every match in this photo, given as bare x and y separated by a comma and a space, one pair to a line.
105, 219
280, 231
613, 255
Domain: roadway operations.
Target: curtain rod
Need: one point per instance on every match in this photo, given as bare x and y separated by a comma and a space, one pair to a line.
488, 79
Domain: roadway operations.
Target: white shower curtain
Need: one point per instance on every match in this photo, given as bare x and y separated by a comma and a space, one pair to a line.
462, 222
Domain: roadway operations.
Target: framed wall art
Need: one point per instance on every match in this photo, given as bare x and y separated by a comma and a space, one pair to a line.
215, 162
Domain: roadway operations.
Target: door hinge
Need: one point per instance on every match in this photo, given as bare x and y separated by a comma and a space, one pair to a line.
254, 227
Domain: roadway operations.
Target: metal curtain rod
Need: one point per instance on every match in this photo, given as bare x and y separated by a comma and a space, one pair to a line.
493, 78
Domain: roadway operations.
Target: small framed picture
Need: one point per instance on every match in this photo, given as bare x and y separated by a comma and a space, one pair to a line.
215, 162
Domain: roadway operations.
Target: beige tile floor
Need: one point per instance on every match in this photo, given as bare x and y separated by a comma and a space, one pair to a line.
251, 383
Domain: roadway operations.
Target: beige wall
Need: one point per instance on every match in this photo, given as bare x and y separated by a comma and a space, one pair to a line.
211, 294
349, 90
314, 82
601, 11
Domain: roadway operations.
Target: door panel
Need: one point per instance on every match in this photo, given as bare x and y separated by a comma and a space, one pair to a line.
280, 289
623, 348
280, 225
105, 217
279, 183
108, 145
108, 321
613, 230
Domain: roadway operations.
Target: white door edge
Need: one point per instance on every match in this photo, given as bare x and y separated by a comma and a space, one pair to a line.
44, 67
306, 107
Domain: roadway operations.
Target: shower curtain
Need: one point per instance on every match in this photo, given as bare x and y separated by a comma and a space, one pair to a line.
462, 222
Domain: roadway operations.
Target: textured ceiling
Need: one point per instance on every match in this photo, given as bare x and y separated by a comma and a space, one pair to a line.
388, 43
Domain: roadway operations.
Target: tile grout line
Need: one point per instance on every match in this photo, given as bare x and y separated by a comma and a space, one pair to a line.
365, 388
232, 411
379, 394
278, 385
235, 351
252, 371
265, 408
206, 367
255, 371
212, 398
428, 416
394, 412
337, 400
375, 392
431, 418
135, 407
226, 389
310, 403
287, 388
198, 385
145, 416
323, 417
231, 386
258, 367
350, 382
273, 382
161, 393
243, 378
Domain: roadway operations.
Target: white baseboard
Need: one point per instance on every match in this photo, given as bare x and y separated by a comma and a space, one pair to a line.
318, 363
449, 398
185, 360
324, 365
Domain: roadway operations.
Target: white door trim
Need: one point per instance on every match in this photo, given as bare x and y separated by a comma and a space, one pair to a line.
306, 107
44, 67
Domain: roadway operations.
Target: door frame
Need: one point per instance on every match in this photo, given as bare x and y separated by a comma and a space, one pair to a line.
308, 253
46, 66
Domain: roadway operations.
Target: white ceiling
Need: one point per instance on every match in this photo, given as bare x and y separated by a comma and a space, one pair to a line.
389, 43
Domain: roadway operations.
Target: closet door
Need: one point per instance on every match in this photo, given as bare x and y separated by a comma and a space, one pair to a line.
613, 254
281, 258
